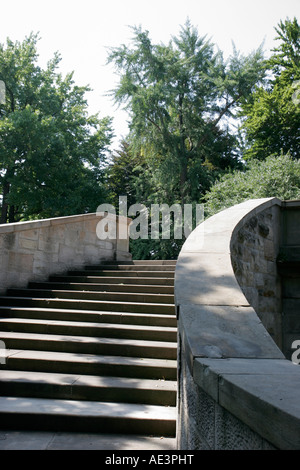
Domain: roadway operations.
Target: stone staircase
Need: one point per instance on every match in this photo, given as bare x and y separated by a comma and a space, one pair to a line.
92, 351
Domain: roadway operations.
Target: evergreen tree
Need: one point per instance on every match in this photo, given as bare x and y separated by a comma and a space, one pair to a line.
179, 97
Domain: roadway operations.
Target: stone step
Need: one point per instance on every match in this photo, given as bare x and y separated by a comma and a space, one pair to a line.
102, 287
149, 262
79, 304
49, 414
77, 328
87, 387
90, 364
92, 295
119, 273
89, 345
132, 267
83, 441
93, 350
157, 281
90, 316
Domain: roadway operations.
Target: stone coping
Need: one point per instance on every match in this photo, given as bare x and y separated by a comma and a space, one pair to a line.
33, 224
230, 354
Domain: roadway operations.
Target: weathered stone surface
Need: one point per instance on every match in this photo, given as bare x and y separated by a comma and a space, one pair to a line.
225, 331
229, 355
33, 250
259, 392
207, 278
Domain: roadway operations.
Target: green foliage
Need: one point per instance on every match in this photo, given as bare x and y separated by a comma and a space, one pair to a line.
276, 176
272, 114
124, 175
179, 97
51, 151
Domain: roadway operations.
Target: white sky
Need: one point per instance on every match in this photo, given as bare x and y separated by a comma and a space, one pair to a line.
82, 30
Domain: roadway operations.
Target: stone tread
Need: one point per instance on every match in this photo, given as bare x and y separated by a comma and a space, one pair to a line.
87, 387
113, 330
158, 281
100, 415
89, 344
142, 307
40, 406
131, 267
103, 287
86, 315
89, 358
118, 273
93, 295
13, 376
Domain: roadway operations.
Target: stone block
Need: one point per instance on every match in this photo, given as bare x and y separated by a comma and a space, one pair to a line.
10, 241
48, 245
65, 254
269, 407
28, 244
259, 392
30, 234
233, 434
269, 250
20, 262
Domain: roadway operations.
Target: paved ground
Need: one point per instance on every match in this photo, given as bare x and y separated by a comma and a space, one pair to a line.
25, 440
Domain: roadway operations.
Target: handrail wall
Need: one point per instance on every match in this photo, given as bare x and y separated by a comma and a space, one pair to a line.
236, 388
33, 250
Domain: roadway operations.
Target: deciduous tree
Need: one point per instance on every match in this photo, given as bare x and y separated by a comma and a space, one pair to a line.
51, 151
272, 113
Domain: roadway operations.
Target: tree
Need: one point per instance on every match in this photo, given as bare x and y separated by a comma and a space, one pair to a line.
272, 113
51, 152
179, 97
276, 176
124, 174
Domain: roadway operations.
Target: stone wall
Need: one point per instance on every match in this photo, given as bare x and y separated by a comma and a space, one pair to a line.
236, 388
254, 250
31, 251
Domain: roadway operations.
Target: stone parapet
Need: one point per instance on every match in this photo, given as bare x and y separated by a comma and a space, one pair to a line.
236, 388
31, 251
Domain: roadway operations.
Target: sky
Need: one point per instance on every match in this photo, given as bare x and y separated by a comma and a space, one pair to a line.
83, 31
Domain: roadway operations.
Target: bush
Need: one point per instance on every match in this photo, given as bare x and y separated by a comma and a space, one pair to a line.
277, 176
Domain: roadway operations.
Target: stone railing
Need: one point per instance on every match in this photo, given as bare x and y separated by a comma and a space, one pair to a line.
31, 251
236, 388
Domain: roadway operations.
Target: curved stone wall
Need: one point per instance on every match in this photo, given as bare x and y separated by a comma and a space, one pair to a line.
236, 388
31, 251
